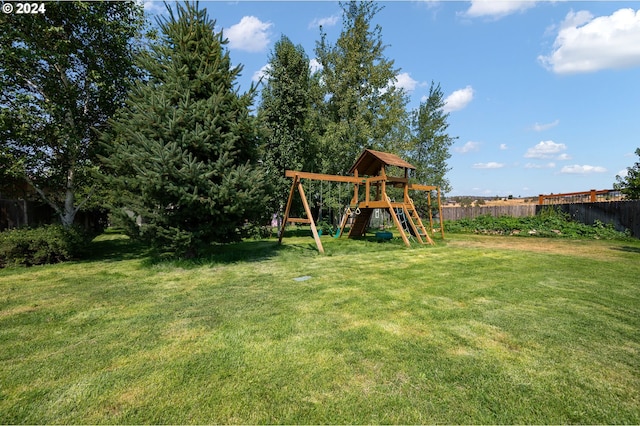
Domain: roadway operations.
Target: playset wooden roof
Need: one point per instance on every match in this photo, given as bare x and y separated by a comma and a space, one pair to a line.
371, 162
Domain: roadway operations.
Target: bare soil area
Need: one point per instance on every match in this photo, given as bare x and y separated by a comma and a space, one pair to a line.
587, 248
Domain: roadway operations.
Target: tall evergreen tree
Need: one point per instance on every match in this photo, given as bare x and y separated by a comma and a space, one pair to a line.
430, 142
363, 108
183, 150
285, 112
63, 73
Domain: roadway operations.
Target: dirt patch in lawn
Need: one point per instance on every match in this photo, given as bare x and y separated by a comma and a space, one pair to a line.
586, 248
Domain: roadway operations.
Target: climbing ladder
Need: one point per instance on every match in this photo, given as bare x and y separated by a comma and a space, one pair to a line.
416, 226
408, 222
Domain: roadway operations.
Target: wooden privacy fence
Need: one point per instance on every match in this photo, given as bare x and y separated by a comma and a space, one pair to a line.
592, 196
622, 215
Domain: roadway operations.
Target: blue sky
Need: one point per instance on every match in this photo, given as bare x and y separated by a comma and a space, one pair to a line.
544, 96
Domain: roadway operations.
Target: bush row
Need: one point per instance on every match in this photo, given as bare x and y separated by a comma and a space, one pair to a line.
548, 223
37, 246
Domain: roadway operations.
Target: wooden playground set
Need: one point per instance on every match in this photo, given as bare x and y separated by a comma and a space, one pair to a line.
370, 172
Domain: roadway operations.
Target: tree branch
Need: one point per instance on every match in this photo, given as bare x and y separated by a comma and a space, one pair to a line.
43, 195
33, 86
93, 190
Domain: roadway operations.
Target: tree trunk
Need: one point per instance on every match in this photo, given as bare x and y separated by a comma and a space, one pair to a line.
68, 213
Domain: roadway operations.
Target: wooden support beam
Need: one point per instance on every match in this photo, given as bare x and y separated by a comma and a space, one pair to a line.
314, 230
397, 223
414, 228
343, 223
298, 220
324, 177
295, 182
440, 214
416, 187
430, 214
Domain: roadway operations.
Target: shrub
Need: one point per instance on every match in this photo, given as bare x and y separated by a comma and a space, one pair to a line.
548, 223
256, 231
38, 246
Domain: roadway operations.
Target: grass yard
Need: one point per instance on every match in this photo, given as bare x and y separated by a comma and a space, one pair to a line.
478, 329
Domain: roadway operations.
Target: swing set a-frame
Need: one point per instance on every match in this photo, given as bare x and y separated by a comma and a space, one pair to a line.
369, 171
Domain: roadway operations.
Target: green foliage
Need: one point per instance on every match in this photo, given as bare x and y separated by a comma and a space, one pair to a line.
428, 149
325, 227
257, 231
630, 184
182, 153
465, 201
38, 246
362, 108
285, 112
63, 73
548, 223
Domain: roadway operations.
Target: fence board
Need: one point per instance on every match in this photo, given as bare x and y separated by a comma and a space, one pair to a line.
517, 210
622, 215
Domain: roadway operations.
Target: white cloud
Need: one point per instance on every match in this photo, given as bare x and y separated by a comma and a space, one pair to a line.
261, 74
503, 146
623, 173
582, 170
545, 149
315, 65
468, 147
458, 99
496, 9
489, 165
324, 22
404, 81
540, 127
250, 34
563, 157
585, 44
153, 7
540, 166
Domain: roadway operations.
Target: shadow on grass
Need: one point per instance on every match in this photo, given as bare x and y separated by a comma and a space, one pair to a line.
116, 248
244, 251
628, 249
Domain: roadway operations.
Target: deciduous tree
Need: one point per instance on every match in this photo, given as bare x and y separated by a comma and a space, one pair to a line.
630, 184
63, 73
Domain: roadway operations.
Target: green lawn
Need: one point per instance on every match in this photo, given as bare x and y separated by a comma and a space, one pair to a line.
478, 329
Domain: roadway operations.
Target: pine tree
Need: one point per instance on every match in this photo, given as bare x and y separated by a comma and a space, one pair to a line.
285, 112
183, 150
363, 109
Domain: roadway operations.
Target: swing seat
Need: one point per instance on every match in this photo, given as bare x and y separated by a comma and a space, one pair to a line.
383, 235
